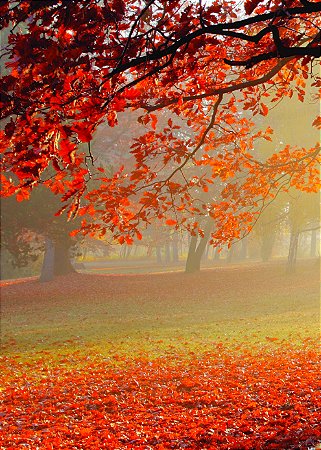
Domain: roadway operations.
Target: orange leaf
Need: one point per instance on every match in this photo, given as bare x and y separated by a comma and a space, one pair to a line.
22, 195
264, 109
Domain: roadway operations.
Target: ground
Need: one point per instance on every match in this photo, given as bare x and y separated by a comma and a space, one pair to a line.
226, 358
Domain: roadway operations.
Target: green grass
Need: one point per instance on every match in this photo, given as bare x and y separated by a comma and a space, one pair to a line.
157, 313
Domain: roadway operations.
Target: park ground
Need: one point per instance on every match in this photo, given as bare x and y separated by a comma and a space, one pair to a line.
226, 358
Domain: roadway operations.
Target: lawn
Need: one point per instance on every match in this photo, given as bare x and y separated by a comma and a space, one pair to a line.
227, 358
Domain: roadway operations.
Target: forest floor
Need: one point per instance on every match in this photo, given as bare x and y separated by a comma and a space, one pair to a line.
226, 358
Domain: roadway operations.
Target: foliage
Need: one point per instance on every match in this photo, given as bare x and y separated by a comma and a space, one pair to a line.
87, 61
266, 397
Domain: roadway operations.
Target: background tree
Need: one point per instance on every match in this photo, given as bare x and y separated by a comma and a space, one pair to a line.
31, 228
303, 216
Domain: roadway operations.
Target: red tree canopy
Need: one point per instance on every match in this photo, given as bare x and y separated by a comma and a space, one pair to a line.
197, 72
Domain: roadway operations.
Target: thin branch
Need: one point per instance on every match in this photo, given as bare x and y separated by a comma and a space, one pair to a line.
311, 229
224, 90
136, 21
191, 154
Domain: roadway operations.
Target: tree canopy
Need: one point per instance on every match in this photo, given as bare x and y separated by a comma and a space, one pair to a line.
196, 71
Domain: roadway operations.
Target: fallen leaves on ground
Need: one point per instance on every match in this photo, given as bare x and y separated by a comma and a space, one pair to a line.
248, 302
267, 397
226, 285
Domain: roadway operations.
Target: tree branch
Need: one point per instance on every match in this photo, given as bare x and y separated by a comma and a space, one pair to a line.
224, 90
221, 30
281, 51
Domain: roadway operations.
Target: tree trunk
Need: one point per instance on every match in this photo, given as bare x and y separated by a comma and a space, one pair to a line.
195, 252
48, 265
230, 254
62, 264
268, 240
313, 247
175, 250
56, 260
293, 249
193, 264
244, 246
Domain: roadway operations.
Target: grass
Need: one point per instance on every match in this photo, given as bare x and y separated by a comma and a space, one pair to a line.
156, 313
226, 358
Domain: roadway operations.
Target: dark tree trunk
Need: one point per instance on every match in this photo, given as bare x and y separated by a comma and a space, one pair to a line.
268, 240
56, 260
48, 265
196, 251
62, 264
193, 263
293, 249
175, 250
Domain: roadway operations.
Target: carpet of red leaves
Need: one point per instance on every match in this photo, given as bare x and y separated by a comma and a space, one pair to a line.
228, 398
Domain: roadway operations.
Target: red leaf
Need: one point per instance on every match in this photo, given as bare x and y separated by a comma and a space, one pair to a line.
154, 121
317, 122
250, 5
119, 104
264, 109
112, 118
129, 240
23, 194
83, 132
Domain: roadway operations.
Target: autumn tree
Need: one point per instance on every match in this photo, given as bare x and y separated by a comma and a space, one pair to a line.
74, 65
